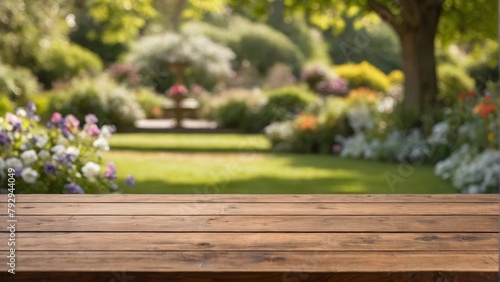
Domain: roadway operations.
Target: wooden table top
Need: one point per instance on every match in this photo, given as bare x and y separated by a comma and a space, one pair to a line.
255, 233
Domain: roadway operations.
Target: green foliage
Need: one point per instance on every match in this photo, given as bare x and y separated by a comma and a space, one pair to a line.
257, 43
283, 103
452, 82
108, 52
232, 108
376, 44
111, 103
25, 26
482, 63
363, 75
332, 122
5, 105
150, 102
64, 61
215, 33
18, 83
263, 47
297, 31
43, 102
120, 20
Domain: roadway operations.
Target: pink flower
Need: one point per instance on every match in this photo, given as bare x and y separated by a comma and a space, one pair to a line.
56, 117
11, 118
91, 119
177, 89
110, 172
93, 130
71, 121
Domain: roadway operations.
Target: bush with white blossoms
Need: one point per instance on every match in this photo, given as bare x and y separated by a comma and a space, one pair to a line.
60, 157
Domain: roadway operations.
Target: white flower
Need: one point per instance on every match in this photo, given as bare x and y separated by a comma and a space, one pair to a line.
42, 141
43, 154
21, 112
101, 144
58, 150
73, 152
106, 131
90, 170
29, 157
29, 175
14, 163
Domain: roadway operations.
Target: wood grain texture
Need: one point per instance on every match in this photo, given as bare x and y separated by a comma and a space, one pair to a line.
256, 237
257, 224
267, 209
138, 241
250, 277
204, 261
253, 198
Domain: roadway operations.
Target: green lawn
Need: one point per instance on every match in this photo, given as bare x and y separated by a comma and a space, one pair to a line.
228, 163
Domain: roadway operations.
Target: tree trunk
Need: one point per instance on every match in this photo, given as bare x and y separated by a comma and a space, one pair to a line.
417, 33
176, 16
419, 62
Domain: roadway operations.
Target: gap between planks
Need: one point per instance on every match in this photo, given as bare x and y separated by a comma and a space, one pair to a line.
254, 198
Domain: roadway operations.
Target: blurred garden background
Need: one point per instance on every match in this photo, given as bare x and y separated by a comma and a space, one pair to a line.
242, 96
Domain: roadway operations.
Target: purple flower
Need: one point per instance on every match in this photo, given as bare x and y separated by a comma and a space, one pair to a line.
17, 127
336, 148
50, 168
74, 188
110, 171
333, 87
66, 159
4, 139
66, 133
130, 181
31, 109
91, 119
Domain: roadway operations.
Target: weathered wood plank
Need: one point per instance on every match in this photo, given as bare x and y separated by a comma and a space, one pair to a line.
253, 198
317, 209
257, 224
484, 261
139, 241
250, 277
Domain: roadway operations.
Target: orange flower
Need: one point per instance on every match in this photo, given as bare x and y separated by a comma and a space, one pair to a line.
465, 95
306, 122
484, 110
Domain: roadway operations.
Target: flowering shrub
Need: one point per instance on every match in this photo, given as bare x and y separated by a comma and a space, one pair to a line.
124, 73
324, 81
470, 131
279, 75
364, 75
110, 102
178, 89
338, 87
153, 54
315, 74
62, 157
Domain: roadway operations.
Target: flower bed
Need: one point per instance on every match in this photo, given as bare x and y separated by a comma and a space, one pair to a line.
62, 156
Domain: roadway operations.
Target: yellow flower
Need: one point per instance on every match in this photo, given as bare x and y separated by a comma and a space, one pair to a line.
491, 137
